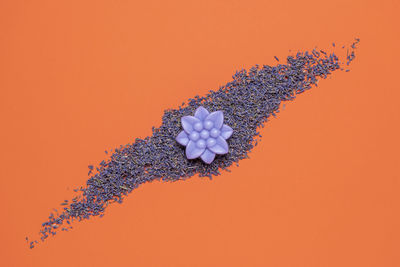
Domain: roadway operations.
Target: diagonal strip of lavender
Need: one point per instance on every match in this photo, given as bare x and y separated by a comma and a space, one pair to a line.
247, 103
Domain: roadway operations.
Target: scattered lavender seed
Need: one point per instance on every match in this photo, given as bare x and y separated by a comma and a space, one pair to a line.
248, 101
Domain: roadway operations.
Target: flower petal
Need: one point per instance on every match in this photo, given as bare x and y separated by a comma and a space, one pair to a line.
221, 147
226, 131
201, 113
217, 117
182, 138
188, 122
192, 151
208, 156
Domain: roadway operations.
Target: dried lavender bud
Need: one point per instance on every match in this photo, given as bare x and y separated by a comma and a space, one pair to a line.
247, 103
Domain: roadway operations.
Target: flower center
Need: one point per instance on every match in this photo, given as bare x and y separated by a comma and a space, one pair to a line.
204, 134
215, 132
208, 124
198, 126
211, 142
201, 143
194, 136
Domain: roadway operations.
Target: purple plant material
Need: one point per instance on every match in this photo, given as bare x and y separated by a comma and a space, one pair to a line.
247, 102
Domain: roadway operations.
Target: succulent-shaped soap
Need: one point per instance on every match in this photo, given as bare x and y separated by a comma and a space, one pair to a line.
204, 135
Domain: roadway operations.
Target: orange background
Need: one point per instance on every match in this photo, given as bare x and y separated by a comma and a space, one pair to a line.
80, 77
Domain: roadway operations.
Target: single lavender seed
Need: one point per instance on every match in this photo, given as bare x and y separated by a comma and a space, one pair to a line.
248, 101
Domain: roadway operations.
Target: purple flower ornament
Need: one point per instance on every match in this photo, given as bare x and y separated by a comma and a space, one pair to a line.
204, 135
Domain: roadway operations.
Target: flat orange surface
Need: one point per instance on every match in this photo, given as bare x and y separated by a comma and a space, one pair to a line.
81, 77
